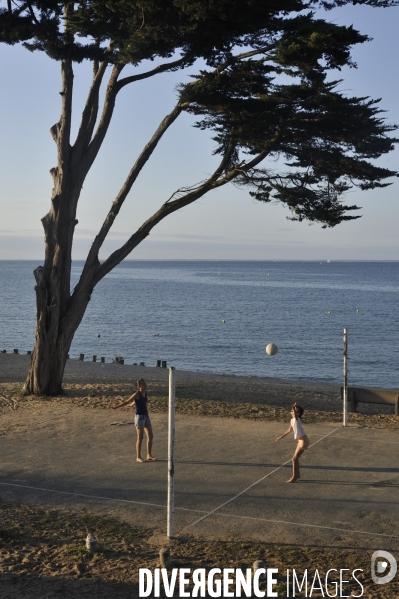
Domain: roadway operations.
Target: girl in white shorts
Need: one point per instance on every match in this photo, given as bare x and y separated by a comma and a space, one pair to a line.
302, 438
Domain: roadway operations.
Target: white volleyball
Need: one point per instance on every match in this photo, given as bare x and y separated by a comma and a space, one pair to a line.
271, 349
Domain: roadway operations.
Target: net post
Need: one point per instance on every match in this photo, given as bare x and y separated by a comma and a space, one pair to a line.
345, 390
171, 451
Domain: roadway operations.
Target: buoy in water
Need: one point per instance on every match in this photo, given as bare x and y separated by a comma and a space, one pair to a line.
223, 321
328, 312
271, 349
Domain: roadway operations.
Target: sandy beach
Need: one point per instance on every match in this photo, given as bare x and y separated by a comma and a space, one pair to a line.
97, 385
42, 545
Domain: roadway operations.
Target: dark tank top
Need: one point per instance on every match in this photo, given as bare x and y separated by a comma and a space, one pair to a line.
141, 404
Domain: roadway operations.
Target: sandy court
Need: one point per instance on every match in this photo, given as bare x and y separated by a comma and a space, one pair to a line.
230, 476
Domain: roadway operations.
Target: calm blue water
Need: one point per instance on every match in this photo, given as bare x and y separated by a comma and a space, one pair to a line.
145, 311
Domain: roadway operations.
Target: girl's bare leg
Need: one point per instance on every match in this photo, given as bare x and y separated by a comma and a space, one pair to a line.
295, 466
150, 437
297, 475
140, 434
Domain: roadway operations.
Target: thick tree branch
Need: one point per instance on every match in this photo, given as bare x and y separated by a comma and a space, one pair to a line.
90, 112
159, 69
214, 181
135, 171
149, 148
108, 109
186, 60
114, 86
61, 131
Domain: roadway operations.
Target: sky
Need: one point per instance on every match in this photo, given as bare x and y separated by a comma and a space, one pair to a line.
226, 224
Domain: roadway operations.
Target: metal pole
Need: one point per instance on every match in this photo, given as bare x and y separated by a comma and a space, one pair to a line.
345, 393
171, 452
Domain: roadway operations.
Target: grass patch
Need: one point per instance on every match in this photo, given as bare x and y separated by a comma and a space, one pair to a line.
75, 550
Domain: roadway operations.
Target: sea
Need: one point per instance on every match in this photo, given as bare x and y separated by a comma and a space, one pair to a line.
219, 316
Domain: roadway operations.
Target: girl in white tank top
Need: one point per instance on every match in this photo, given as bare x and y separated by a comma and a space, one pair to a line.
299, 434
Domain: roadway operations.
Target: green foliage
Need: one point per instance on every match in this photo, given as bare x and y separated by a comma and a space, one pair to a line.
273, 101
324, 136
144, 29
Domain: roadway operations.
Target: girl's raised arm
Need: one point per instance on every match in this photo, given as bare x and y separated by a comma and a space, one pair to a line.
294, 411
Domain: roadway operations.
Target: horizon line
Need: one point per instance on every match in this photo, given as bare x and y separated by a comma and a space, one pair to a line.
327, 260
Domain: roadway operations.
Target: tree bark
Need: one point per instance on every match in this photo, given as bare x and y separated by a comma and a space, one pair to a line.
55, 330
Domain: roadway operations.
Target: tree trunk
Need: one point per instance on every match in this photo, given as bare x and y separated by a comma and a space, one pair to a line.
55, 329
58, 314
47, 366
56, 322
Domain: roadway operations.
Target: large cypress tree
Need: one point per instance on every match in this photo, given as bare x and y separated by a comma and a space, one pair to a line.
264, 93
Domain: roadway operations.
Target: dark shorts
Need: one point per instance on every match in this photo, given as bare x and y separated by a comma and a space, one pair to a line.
142, 421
